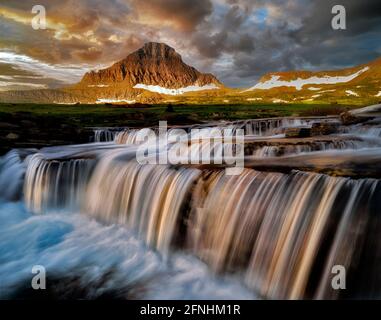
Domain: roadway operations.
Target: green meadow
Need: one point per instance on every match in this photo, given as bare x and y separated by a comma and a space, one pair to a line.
83, 115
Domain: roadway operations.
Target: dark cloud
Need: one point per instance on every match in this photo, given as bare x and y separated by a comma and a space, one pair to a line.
184, 14
294, 35
238, 40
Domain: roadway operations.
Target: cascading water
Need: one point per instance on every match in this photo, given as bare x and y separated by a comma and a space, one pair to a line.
12, 171
256, 127
282, 150
270, 226
279, 232
148, 198
55, 184
104, 135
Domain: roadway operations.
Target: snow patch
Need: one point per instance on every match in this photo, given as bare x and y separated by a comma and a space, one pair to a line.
314, 89
274, 82
175, 92
280, 101
378, 94
98, 85
254, 99
100, 101
67, 103
351, 93
326, 91
316, 96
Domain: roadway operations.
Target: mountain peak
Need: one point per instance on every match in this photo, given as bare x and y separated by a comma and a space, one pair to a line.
158, 50
154, 64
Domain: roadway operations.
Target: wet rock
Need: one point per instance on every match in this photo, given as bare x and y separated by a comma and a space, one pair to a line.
348, 118
12, 136
324, 128
298, 132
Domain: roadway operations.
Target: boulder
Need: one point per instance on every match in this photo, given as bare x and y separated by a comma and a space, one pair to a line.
324, 128
298, 132
348, 118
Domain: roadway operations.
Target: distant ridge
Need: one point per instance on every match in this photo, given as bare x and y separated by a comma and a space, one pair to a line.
156, 73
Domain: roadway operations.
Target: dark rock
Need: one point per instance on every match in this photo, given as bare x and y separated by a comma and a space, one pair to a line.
324, 128
298, 132
347, 118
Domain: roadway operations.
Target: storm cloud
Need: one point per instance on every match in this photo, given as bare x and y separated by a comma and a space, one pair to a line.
237, 40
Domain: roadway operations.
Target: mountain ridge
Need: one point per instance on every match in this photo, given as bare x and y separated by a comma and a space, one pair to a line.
156, 73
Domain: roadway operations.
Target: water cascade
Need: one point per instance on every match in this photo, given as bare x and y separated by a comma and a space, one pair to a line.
279, 232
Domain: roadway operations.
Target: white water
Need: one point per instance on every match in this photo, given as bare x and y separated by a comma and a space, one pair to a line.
75, 245
12, 171
164, 232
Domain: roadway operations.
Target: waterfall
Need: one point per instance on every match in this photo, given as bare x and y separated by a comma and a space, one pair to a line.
281, 233
52, 184
104, 135
273, 228
128, 136
150, 199
261, 127
12, 170
289, 149
370, 129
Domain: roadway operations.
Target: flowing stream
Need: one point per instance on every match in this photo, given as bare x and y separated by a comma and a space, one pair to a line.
165, 231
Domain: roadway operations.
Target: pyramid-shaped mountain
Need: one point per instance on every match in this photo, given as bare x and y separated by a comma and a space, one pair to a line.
155, 64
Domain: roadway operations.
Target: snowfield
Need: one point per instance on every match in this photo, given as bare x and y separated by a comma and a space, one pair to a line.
274, 82
175, 92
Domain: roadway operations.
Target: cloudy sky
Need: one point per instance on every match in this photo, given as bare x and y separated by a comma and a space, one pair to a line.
237, 40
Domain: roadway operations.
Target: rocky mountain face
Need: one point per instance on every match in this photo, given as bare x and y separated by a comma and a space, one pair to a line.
153, 64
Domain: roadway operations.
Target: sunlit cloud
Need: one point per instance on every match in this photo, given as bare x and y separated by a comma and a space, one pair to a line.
22, 84
66, 74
